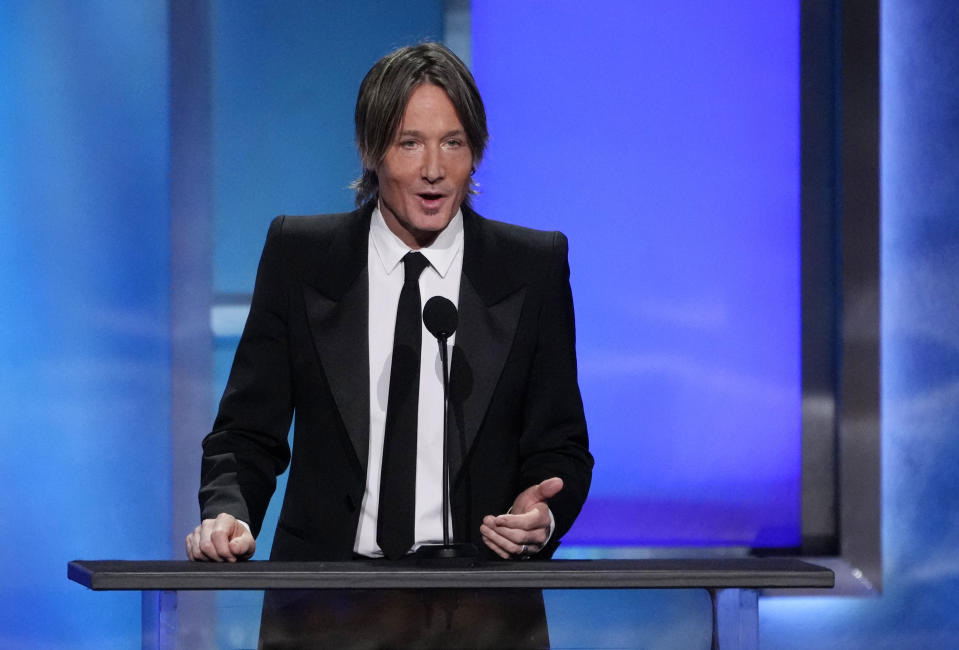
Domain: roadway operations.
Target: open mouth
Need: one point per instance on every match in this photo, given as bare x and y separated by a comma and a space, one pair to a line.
430, 196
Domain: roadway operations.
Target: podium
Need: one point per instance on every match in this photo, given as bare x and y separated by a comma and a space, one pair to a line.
733, 584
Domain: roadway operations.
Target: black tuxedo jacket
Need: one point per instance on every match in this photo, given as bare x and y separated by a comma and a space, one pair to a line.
516, 416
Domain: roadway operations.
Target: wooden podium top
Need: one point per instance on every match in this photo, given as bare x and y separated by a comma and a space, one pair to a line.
744, 573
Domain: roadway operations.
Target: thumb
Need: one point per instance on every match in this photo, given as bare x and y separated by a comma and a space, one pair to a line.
241, 535
243, 544
549, 488
539, 493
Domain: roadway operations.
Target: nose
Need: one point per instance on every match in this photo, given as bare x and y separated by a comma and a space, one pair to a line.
432, 171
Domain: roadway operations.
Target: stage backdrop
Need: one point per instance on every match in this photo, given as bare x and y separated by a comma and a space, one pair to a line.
84, 351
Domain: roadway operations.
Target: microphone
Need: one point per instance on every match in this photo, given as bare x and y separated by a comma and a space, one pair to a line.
441, 318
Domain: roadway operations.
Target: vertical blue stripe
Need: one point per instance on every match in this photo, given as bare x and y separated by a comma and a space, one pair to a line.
84, 331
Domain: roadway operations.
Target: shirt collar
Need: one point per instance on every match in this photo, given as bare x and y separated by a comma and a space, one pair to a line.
390, 250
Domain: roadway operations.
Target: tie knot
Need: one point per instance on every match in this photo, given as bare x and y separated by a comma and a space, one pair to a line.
414, 263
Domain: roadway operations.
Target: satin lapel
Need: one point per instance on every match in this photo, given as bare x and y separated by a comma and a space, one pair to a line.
483, 342
337, 303
489, 311
339, 331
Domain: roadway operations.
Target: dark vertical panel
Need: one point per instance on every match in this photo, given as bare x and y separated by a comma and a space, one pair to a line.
858, 417
191, 248
191, 226
820, 275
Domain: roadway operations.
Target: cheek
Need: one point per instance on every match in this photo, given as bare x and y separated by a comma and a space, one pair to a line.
393, 185
397, 178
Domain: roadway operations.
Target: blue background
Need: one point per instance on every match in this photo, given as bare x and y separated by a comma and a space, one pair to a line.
85, 283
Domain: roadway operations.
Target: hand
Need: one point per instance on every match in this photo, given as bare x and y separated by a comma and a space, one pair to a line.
224, 539
526, 529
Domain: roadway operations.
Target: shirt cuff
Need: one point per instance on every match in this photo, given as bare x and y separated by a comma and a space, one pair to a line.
552, 527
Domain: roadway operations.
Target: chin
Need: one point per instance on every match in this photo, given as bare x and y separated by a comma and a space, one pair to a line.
436, 221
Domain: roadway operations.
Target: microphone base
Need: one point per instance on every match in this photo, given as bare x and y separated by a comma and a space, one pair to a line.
446, 551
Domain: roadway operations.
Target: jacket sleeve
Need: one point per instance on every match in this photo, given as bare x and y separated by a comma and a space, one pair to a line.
554, 440
248, 446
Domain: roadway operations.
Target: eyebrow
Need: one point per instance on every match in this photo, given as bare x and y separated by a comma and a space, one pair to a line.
419, 134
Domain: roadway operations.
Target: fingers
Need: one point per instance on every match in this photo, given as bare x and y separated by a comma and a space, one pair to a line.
508, 546
192, 545
514, 535
499, 544
214, 539
197, 541
220, 539
223, 539
535, 519
523, 533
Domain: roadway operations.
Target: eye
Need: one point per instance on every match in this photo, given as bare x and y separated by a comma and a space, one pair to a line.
453, 143
408, 144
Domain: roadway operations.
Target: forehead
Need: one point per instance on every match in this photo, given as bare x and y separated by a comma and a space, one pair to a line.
430, 105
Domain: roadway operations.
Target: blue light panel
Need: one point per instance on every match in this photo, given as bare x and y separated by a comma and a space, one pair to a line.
663, 139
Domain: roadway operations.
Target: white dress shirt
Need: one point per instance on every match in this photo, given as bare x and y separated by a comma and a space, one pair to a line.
440, 278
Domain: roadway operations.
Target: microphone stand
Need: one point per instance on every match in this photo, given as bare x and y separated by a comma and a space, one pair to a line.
448, 548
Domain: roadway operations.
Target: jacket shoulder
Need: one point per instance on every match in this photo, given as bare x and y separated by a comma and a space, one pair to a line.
313, 234
518, 246
325, 250
315, 227
520, 235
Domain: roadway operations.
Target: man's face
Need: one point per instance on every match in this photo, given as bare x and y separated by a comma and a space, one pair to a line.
425, 174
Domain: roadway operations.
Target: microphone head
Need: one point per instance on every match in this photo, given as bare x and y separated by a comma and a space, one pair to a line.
440, 317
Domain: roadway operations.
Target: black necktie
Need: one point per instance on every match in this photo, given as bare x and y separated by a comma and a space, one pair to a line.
394, 523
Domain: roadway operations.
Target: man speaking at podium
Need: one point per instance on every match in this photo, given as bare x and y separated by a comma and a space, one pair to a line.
335, 336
